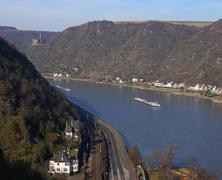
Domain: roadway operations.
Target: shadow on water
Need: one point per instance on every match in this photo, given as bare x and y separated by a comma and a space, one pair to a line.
84, 104
87, 106
125, 140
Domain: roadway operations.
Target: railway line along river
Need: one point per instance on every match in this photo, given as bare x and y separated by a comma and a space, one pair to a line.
194, 125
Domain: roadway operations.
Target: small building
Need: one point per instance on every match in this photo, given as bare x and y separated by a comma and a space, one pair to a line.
218, 92
119, 80
75, 165
135, 80
169, 85
141, 80
197, 87
213, 90
194, 88
181, 85
75, 69
63, 164
158, 84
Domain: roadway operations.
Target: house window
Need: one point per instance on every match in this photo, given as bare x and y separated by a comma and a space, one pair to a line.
57, 163
66, 164
51, 168
58, 169
65, 169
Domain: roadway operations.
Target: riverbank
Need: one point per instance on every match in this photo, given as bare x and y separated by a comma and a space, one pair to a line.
126, 164
121, 148
216, 99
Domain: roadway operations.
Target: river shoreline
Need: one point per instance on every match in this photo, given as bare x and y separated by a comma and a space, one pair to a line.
216, 99
120, 145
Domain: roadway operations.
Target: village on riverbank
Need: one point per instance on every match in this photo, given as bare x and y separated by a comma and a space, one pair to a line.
205, 91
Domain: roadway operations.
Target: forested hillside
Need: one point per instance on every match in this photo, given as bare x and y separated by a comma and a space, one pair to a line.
31, 115
103, 48
151, 50
198, 59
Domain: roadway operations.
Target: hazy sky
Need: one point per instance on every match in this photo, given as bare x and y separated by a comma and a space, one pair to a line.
57, 15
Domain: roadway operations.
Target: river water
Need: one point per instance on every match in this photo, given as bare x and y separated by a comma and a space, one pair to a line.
194, 125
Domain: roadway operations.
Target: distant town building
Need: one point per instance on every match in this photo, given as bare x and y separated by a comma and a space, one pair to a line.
169, 85
119, 80
60, 75
158, 84
75, 69
135, 80
141, 80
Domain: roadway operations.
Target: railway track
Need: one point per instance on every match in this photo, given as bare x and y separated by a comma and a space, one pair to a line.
116, 168
116, 172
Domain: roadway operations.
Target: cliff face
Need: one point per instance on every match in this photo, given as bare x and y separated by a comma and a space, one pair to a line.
149, 50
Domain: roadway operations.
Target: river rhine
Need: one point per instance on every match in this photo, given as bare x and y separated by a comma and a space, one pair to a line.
194, 125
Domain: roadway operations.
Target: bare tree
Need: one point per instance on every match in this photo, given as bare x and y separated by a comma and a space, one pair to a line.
135, 156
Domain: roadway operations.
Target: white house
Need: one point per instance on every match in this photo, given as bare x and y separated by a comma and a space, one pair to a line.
75, 165
169, 85
60, 75
134, 80
142, 80
158, 84
202, 87
213, 90
197, 87
119, 80
218, 91
75, 69
181, 85
63, 164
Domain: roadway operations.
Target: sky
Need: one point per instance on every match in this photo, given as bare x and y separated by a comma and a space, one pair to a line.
57, 15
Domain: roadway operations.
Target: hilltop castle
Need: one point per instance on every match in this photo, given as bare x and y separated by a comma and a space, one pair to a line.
38, 41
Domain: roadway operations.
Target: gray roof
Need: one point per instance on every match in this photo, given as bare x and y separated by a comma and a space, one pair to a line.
61, 157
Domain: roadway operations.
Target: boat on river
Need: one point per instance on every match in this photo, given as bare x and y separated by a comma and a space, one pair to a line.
66, 89
154, 104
